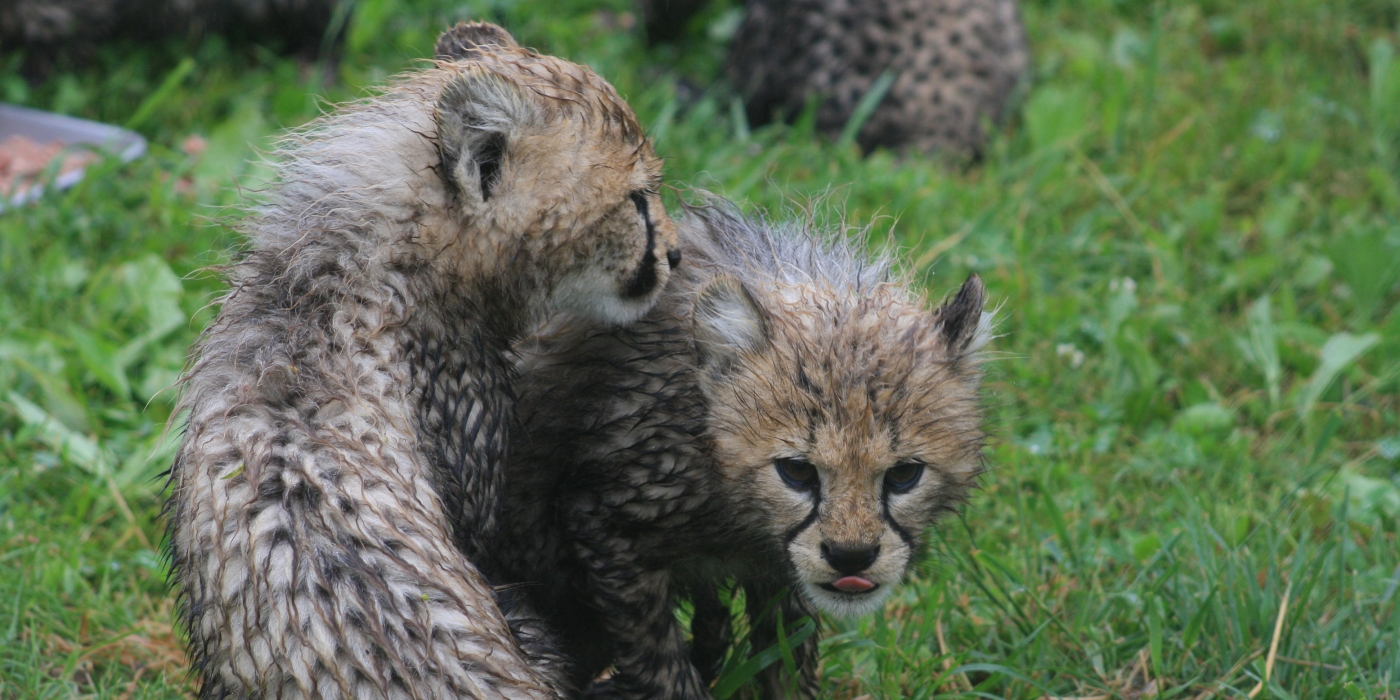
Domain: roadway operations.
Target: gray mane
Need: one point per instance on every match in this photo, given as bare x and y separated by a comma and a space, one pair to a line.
762, 253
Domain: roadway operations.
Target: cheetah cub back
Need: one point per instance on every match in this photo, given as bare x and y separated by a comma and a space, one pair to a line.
348, 407
791, 416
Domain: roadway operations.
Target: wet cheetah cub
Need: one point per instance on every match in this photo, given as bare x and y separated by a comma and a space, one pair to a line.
348, 408
791, 416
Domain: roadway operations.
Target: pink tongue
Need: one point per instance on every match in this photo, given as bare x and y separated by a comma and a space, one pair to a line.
852, 584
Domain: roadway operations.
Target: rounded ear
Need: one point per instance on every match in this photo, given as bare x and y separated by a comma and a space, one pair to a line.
961, 322
728, 322
461, 42
477, 113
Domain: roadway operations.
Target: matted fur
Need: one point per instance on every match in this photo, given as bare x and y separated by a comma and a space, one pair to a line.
348, 407
643, 464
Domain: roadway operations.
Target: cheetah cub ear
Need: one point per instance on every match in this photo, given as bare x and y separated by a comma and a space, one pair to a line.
477, 115
728, 323
461, 42
962, 323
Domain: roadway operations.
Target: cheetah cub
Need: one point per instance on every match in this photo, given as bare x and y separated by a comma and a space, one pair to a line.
791, 416
348, 408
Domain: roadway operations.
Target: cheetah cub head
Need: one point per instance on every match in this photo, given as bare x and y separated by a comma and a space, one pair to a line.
845, 420
552, 184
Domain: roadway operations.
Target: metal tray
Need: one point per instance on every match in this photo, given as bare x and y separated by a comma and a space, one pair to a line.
44, 127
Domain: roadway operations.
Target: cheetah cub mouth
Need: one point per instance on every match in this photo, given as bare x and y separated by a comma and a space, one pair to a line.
851, 585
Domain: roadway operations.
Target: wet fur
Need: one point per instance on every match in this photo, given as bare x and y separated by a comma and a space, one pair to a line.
641, 466
348, 409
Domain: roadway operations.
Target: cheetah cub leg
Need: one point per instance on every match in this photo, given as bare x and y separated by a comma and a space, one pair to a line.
635, 600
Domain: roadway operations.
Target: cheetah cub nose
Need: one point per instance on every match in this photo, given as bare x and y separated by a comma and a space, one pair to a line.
850, 559
673, 258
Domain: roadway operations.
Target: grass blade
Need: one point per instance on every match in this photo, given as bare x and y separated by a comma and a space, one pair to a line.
1339, 352
864, 109
162, 93
727, 684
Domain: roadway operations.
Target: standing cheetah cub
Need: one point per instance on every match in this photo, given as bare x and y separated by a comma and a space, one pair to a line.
348, 408
790, 416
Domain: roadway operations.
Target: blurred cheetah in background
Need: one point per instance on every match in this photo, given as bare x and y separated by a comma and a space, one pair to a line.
955, 63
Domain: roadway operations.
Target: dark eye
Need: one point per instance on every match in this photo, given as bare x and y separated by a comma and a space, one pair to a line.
639, 200
797, 473
903, 476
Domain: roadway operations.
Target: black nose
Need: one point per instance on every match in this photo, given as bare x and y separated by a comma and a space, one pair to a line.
849, 559
673, 258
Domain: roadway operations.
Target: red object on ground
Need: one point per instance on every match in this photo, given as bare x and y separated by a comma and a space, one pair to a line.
23, 158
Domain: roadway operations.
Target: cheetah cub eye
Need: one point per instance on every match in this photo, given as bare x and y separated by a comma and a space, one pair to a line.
903, 477
798, 474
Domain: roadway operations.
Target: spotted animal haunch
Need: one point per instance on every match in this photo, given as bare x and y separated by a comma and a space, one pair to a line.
349, 407
954, 64
791, 416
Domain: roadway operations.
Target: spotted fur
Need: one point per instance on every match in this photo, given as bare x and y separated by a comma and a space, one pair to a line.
955, 64
644, 464
348, 408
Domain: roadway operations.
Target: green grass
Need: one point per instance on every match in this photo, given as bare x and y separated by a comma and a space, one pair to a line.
1192, 229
